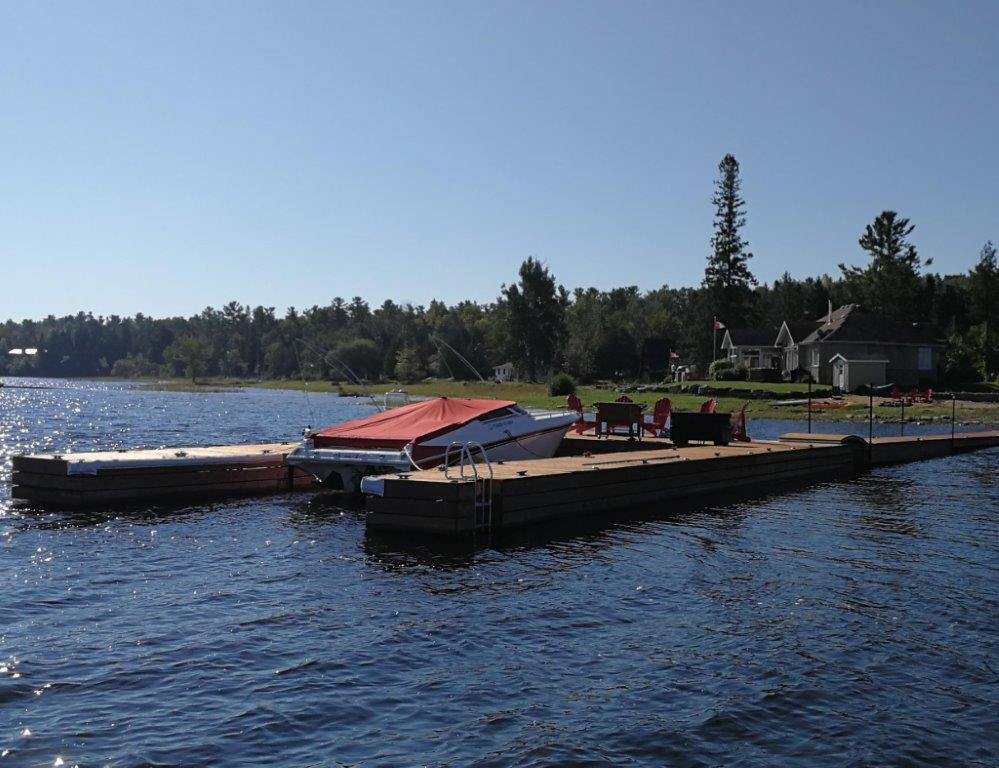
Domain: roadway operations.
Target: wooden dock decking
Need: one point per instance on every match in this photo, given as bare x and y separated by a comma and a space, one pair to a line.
525, 492
107, 477
898, 450
528, 492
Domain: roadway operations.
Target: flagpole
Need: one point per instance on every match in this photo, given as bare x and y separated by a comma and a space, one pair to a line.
714, 339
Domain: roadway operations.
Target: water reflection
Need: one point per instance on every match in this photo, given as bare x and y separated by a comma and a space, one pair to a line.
583, 536
886, 502
44, 518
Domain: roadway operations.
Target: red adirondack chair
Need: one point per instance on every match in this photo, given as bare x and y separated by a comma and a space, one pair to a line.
709, 406
573, 403
739, 433
660, 415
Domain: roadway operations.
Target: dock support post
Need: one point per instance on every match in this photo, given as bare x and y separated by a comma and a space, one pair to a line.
902, 425
870, 423
953, 412
809, 404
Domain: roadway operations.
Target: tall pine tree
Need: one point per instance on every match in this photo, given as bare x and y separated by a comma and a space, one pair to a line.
727, 279
983, 292
534, 313
890, 286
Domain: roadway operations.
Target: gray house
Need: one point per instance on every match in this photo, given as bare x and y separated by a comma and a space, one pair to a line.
751, 348
788, 338
850, 347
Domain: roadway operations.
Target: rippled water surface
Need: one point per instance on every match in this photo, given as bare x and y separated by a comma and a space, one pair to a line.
851, 623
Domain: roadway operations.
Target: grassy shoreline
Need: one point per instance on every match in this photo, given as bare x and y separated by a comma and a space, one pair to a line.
536, 395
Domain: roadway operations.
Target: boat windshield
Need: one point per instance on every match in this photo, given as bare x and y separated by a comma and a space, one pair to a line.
502, 413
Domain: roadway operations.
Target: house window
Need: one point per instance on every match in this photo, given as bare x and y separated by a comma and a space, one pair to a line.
925, 359
815, 356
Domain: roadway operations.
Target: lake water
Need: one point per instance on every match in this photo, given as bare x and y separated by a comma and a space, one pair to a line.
849, 623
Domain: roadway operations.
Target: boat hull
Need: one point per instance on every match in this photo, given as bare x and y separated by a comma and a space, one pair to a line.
520, 438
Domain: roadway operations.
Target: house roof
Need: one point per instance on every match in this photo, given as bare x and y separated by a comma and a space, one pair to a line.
800, 329
794, 332
755, 337
852, 323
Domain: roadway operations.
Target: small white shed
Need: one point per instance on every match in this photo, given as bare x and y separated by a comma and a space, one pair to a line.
852, 373
504, 372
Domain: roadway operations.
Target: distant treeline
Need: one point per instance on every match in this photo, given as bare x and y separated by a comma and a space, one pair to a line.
534, 323
621, 333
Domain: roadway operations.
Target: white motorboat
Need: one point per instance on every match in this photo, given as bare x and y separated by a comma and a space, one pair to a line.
417, 436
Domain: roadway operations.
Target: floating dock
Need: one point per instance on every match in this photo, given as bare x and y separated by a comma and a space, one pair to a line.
527, 492
589, 476
118, 477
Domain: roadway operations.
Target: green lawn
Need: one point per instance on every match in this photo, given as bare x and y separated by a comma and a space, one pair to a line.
778, 388
536, 395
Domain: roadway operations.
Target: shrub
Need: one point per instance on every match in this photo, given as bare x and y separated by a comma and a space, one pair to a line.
767, 375
407, 365
731, 374
562, 384
718, 366
725, 370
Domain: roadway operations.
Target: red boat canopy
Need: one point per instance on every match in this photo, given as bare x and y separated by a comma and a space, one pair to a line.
409, 424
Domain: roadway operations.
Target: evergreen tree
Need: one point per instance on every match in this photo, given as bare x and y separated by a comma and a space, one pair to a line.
983, 292
727, 277
534, 313
890, 285
983, 286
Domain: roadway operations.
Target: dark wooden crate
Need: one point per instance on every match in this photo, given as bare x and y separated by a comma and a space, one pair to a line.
710, 427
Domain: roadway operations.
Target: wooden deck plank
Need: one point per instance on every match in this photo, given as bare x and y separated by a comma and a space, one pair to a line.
571, 464
616, 484
153, 458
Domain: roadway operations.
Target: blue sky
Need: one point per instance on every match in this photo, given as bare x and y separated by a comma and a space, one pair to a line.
161, 157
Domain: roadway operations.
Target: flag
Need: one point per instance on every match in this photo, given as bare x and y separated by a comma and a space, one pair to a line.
719, 325
674, 356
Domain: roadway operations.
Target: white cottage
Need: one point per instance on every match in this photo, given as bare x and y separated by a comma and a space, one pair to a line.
504, 372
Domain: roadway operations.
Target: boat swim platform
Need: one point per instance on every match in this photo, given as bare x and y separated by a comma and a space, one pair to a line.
528, 492
117, 477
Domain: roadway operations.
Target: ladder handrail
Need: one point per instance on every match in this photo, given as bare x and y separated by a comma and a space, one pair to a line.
469, 445
462, 452
465, 459
482, 501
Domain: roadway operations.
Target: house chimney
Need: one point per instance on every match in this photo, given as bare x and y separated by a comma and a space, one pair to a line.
829, 315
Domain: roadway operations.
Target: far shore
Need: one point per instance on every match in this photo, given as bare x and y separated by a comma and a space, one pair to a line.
762, 403
535, 395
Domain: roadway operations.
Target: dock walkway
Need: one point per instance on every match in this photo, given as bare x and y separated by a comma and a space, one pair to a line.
103, 477
588, 476
526, 492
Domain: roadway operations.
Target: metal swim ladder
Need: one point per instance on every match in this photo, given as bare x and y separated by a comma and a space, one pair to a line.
468, 469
